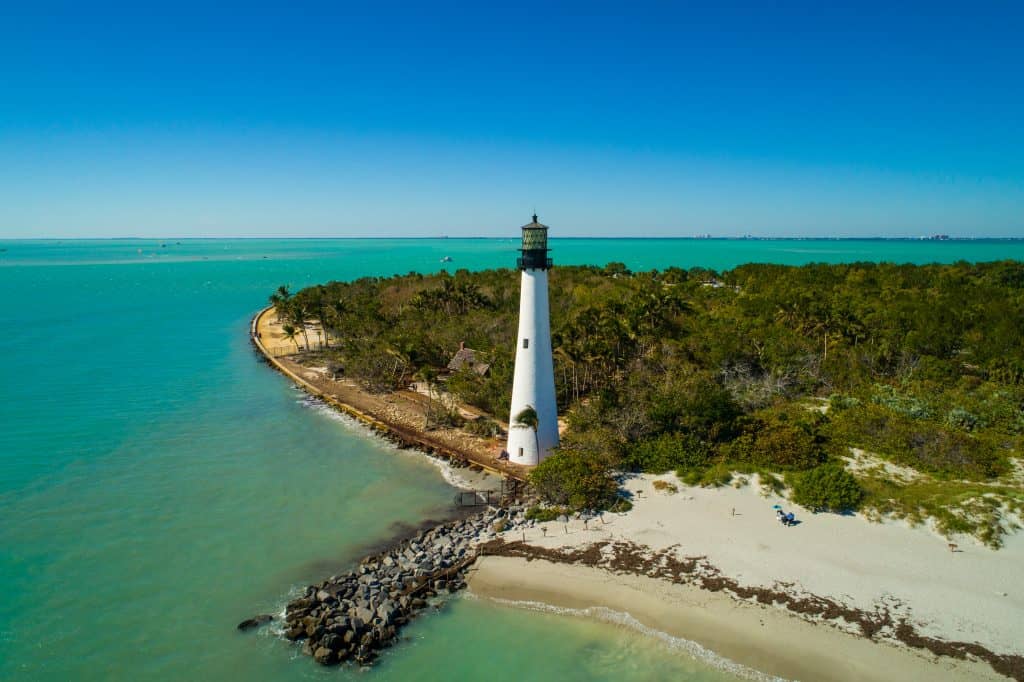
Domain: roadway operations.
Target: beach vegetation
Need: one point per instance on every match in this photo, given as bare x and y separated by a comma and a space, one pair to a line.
765, 369
428, 375
484, 427
542, 514
289, 333
772, 484
621, 505
828, 487
576, 478
665, 487
927, 445
668, 452
985, 510
716, 476
527, 418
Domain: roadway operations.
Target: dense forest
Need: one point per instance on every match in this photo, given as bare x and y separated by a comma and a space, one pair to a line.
898, 389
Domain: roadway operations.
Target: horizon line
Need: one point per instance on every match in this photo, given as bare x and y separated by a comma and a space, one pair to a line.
931, 238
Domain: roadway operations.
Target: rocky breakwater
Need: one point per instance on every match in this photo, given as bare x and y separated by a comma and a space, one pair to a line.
352, 617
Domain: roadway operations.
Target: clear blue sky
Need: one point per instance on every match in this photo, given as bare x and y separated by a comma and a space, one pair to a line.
632, 118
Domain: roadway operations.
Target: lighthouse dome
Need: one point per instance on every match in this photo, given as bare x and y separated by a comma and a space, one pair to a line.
533, 224
535, 246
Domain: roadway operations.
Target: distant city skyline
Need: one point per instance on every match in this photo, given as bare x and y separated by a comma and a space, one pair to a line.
639, 119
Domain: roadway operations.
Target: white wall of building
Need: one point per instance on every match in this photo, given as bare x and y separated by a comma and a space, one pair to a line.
534, 382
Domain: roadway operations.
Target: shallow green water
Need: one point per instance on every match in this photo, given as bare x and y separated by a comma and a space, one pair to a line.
158, 484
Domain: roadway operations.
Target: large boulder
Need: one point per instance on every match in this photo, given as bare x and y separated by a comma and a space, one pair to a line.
315, 630
324, 656
332, 642
387, 611
364, 614
255, 622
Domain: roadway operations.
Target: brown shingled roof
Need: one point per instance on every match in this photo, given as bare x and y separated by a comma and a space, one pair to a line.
466, 357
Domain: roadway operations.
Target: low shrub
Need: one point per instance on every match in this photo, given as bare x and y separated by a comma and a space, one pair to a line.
621, 506
665, 487
910, 405
839, 401
442, 415
539, 513
576, 478
922, 444
690, 476
829, 487
778, 445
483, 426
712, 477
959, 418
667, 453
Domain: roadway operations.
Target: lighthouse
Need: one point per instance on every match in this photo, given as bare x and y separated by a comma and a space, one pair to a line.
531, 440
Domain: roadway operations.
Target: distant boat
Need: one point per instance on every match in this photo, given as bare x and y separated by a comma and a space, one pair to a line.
446, 259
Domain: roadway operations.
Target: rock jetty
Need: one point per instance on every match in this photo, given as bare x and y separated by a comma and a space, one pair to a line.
352, 617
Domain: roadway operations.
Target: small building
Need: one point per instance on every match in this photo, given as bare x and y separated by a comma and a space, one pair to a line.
467, 358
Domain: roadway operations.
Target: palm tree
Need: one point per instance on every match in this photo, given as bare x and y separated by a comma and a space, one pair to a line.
528, 419
336, 311
426, 374
297, 316
401, 362
319, 306
289, 333
280, 296
279, 299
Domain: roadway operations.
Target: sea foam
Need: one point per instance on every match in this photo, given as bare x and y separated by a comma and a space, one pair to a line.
620, 618
448, 473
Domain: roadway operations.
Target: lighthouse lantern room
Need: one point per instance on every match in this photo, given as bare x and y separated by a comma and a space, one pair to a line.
533, 419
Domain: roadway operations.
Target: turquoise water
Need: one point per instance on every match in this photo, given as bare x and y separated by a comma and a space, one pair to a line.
158, 484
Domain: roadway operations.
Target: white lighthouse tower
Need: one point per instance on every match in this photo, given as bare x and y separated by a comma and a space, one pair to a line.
534, 383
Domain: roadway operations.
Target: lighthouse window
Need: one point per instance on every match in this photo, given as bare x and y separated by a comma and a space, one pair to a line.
520, 452
526, 343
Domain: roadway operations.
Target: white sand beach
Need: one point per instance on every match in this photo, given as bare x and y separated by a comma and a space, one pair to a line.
972, 595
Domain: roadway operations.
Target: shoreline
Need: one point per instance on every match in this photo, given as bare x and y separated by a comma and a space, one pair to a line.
781, 605
367, 409
715, 568
354, 616
753, 640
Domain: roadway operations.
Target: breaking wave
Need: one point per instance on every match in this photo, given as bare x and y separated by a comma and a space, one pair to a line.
606, 615
451, 475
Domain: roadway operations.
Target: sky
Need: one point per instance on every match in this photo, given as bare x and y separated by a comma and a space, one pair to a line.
422, 119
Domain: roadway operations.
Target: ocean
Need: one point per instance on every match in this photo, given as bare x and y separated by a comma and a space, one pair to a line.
158, 484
